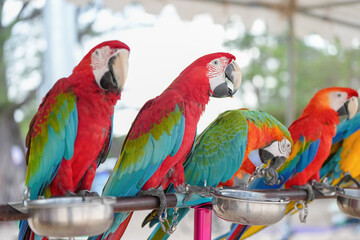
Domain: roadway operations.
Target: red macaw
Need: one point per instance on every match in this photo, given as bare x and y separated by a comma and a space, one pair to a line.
312, 134
70, 135
163, 133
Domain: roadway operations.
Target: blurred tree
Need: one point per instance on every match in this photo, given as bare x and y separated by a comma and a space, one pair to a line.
317, 67
11, 176
22, 45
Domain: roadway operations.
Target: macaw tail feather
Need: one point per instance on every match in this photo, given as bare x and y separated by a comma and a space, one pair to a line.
25, 232
117, 234
151, 218
120, 230
251, 230
236, 232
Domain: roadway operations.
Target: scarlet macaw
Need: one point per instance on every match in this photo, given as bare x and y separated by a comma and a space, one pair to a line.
312, 134
163, 133
70, 135
237, 140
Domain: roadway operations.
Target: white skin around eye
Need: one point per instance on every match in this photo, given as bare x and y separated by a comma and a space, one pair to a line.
337, 99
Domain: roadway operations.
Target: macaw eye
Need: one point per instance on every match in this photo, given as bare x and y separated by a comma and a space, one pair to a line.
339, 95
97, 52
215, 62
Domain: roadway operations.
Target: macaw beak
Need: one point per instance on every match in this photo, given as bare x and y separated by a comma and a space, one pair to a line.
265, 155
276, 162
232, 82
349, 108
115, 78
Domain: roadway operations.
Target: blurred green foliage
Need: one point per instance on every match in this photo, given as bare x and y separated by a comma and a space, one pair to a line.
316, 67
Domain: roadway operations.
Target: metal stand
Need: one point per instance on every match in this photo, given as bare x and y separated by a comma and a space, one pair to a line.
202, 222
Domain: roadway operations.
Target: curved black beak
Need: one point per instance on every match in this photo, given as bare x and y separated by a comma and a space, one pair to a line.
232, 82
349, 108
265, 155
276, 162
114, 79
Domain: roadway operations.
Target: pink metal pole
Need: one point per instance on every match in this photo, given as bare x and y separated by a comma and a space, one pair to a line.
202, 222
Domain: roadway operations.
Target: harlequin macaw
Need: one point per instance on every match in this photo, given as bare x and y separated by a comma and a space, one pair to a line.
163, 133
312, 134
344, 158
70, 135
236, 140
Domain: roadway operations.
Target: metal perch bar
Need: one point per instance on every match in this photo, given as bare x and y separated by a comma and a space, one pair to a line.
125, 204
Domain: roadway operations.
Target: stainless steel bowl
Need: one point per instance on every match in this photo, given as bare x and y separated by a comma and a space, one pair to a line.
70, 216
248, 207
349, 202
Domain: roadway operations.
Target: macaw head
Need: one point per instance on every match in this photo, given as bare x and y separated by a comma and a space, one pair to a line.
342, 100
274, 155
108, 63
277, 152
217, 71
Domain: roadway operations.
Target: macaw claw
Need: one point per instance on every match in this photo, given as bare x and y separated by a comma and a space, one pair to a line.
159, 194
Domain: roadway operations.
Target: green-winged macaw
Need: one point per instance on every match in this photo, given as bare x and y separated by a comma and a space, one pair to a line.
237, 140
70, 135
345, 156
312, 134
163, 133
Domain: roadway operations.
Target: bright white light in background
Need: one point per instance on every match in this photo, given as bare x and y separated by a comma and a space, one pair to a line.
355, 43
270, 82
272, 64
250, 98
258, 81
258, 27
160, 50
18, 115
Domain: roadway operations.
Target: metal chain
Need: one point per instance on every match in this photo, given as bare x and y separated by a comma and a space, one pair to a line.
174, 221
303, 210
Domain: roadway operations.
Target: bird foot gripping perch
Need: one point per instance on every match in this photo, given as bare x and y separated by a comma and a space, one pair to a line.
346, 178
322, 187
270, 174
302, 206
162, 213
203, 191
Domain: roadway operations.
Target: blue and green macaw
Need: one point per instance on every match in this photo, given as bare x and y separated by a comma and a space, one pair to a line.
235, 139
344, 157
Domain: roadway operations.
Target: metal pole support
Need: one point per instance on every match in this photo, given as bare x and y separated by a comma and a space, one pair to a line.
202, 222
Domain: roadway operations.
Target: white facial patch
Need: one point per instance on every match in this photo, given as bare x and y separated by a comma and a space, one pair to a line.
99, 61
216, 81
216, 71
337, 99
285, 147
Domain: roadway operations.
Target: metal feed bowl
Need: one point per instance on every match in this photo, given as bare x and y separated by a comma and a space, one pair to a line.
70, 216
349, 202
248, 207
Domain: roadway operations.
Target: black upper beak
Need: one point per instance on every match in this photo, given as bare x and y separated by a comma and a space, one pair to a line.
265, 156
108, 80
232, 83
276, 162
343, 110
349, 108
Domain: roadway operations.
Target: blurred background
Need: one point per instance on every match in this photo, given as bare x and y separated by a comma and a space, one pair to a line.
287, 49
